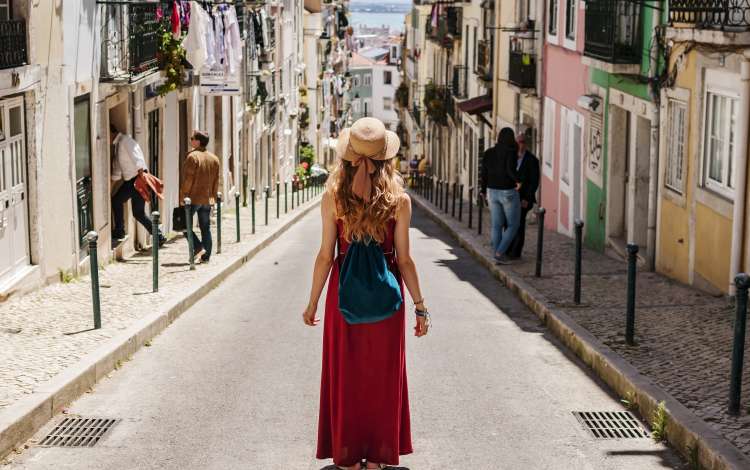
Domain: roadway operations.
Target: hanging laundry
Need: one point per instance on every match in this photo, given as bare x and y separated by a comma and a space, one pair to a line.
266, 22
175, 20
219, 50
185, 14
257, 22
232, 41
195, 41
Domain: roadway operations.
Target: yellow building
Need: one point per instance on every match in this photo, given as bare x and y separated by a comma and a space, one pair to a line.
702, 230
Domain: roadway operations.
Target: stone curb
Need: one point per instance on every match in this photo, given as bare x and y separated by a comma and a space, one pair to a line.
687, 433
20, 421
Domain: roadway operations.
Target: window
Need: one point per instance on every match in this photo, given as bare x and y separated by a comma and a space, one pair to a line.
356, 81
570, 19
4, 10
676, 137
368, 79
387, 77
553, 9
719, 141
388, 104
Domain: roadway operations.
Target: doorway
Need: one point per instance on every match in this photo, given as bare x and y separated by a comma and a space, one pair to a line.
84, 194
14, 236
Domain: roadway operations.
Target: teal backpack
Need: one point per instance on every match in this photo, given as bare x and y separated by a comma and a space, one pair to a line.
368, 290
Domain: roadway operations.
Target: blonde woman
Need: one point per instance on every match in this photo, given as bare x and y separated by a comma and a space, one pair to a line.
364, 405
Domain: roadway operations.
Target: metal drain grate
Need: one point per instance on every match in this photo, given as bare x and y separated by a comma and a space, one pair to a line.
78, 432
611, 424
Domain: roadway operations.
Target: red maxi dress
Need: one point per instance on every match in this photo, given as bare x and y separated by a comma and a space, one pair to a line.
364, 403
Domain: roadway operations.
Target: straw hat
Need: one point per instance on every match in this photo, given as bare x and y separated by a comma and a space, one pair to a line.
367, 140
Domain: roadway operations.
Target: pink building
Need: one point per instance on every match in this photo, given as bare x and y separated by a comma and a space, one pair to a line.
564, 81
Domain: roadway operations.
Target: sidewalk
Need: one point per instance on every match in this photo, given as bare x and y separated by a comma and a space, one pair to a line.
684, 337
47, 332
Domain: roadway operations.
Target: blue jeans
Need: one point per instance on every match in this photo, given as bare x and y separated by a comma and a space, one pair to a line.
505, 207
204, 222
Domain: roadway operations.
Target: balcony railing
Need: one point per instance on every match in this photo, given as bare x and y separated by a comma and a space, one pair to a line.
12, 44
130, 40
613, 31
459, 87
270, 112
522, 63
733, 15
484, 59
415, 115
448, 27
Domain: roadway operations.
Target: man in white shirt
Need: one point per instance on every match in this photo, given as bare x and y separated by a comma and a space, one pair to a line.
129, 162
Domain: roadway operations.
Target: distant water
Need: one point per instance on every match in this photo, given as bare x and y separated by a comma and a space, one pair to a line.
395, 21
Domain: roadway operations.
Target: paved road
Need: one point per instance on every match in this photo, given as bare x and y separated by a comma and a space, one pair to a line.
234, 383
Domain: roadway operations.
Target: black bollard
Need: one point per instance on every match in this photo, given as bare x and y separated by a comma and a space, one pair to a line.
539, 240
252, 209
471, 207
453, 204
189, 232
92, 237
299, 182
218, 223
480, 213
461, 202
579, 249
267, 190
237, 213
441, 189
632, 269
278, 199
741, 283
286, 199
155, 250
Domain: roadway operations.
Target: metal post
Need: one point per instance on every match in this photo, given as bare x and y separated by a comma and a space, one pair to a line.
278, 199
189, 232
92, 238
299, 182
461, 202
480, 213
741, 283
252, 208
218, 223
237, 212
155, 249
244, 191
579, 249
286, 200
539, 240
267, 190
471, 206
455, 192
630, 319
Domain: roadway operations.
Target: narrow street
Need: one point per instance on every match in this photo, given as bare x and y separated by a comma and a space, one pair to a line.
234, 383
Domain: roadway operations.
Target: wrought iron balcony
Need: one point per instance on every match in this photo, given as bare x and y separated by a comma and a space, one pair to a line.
613, 31
12, 44
448, 27
130, 43
484, 60
522, 64
460, 80
732, 15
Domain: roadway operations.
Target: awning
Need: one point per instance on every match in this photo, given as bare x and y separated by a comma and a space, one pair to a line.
478, 105
313, 6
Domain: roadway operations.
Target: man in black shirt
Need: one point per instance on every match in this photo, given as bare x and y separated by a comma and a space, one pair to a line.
527, 168
500, 183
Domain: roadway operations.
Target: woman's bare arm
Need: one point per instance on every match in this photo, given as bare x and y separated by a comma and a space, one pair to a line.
406, 264
324, 260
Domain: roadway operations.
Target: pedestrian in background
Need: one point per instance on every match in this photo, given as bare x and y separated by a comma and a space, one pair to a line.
527, 167
364, 405
128, 164
500, 184
200, 182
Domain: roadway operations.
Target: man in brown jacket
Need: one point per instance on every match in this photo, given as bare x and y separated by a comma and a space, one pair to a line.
200, 182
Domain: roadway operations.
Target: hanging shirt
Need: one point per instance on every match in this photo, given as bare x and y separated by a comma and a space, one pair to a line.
128, 158
219, 50
232, 42
195, 41
251, 39
266, 25
175, 20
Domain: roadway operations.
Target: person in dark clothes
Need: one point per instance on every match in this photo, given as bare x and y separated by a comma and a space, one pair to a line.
527, 167
500, 184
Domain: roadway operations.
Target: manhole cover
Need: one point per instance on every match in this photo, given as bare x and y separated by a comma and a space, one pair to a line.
611, 424
78, 432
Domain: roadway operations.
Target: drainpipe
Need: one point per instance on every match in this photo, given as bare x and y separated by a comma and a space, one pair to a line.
653, 164
738, 219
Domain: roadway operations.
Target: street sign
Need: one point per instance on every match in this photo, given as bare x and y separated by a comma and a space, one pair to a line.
219, 83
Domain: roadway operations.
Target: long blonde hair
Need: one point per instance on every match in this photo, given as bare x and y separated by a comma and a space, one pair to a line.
366, 220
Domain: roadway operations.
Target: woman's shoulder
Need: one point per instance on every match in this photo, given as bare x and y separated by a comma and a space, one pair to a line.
403, 206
